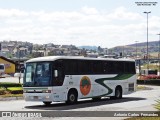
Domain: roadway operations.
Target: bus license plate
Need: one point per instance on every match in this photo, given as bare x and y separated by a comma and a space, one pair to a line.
35, 97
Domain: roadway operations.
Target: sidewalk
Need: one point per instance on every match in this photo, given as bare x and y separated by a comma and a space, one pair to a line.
11, 79
10, 98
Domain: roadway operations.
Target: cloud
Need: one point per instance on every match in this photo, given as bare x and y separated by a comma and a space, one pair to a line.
88, 26
12, 13
122, 13
88, 10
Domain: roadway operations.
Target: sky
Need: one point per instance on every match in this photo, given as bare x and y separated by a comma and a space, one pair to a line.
105, 23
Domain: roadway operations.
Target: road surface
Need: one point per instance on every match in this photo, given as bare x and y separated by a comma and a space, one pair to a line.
143, 100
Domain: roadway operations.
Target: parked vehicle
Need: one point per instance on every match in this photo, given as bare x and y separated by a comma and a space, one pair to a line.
2, 69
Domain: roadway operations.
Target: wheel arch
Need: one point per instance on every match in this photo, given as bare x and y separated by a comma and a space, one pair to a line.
73, 90
72, 96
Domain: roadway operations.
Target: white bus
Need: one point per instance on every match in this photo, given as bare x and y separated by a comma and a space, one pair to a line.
62, 78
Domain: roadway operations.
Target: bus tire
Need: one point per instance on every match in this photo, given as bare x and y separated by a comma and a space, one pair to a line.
118, 93
47, 103
96, 98
72, 97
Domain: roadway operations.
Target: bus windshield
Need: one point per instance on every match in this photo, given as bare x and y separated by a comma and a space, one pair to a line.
37, 74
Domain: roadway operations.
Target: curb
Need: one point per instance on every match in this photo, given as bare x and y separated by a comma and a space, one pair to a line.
10, 98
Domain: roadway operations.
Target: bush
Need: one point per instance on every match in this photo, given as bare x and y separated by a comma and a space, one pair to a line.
16, 92
2, 92
157, 105
14, 88
10, 88
8, 84
149, 82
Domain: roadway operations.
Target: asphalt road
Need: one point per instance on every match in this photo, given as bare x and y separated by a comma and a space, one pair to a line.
143, 100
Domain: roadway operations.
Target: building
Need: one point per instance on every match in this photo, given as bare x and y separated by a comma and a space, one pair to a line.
10, 66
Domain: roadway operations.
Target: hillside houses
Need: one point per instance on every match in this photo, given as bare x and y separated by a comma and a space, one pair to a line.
19, 49
14, 49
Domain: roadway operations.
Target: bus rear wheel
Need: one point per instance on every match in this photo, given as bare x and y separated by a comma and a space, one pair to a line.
96, 99
72, 97
118, 93
47, 103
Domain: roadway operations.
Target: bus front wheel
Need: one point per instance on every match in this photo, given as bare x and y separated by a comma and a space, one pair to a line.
72, 97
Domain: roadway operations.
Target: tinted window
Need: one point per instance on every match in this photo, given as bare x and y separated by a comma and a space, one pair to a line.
130, 67
70, 67
82, 67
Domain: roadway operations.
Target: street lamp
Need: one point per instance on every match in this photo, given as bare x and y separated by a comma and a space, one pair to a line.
19, 67
147, 39
123, 52
136, 49
159, 54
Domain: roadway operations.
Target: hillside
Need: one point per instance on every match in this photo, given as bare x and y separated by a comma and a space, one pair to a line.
89, 47
153, 43
153, 49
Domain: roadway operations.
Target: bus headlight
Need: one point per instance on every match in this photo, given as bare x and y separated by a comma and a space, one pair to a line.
24, 91
46, 91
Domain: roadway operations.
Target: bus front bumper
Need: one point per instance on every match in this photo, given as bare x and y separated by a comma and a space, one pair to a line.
38, 97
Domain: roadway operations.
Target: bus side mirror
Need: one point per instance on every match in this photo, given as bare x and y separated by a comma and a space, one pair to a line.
55, 73
22, 70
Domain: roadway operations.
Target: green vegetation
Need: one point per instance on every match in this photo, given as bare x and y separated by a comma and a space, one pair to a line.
141, 87
14, 88
9, 84
2, 91
157, 105
151, 66
8, 89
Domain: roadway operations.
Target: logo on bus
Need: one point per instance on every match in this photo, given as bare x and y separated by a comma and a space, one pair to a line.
85, 85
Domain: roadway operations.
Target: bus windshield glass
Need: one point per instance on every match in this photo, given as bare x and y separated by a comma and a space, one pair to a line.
37, 74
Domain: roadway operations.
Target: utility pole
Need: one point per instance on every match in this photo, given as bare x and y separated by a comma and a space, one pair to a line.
147, 40
136, 49
159, 55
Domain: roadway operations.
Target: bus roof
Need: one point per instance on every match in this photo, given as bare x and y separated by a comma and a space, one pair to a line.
53, 58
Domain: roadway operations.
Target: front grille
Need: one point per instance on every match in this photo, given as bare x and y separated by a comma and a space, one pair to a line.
34, 92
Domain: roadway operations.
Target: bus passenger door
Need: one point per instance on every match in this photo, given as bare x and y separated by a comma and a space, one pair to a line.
58, 79
58, 73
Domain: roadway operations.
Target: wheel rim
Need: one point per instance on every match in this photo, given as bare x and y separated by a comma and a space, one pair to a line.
72, 97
